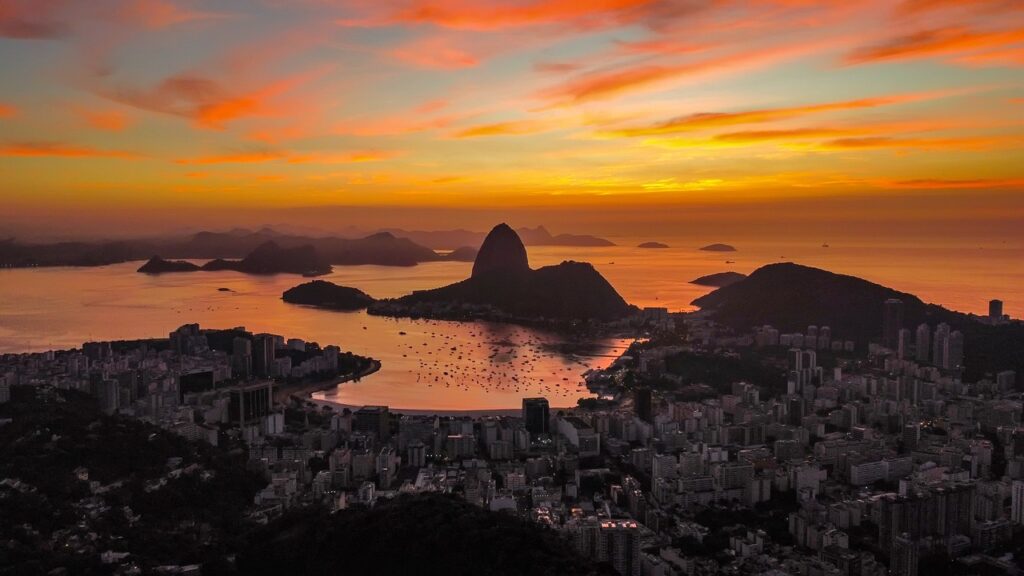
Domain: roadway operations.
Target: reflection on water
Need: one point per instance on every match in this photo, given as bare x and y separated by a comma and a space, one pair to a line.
445, 365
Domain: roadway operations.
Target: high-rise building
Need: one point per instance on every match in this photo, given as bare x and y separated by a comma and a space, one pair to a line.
892, 322
373, 420
905, 556
995, 309
241, 357
1017, 502
922, 343
940, 345
536, 415
416, 454
619, 545
643, 404
954, 359
903, 344
262, 354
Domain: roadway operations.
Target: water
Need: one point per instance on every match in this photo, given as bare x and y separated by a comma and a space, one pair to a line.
492, 366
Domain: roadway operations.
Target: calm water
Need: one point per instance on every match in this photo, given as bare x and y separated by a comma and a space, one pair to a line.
446, 365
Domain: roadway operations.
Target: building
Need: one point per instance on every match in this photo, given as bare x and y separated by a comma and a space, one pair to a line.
373, 420
241, 357
892, 322
416, 454
619, 545
251, 402
905, 556
922, 343
643, 404
263, 354
1017, 502
995, 309
580, 435
536, 415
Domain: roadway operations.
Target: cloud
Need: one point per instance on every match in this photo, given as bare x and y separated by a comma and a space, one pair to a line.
259, 156
435, 52
512, 128
499, 14
206, 101
952, 184
48, 19
59, 150
7, 110
935, 42
882, 142
107, 120
707, 120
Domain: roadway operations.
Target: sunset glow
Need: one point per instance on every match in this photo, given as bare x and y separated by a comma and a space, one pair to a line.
147, 105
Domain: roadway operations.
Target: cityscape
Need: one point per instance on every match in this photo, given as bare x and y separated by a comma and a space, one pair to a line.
505, 287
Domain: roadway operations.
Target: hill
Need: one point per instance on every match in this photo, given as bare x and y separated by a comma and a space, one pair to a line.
157, 265
430, 533
652, 245
719, 279
382, 249
82, 483
503, 284
791, 297
323, 294
718, 248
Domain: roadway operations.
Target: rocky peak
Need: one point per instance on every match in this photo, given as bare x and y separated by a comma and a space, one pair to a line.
502, 251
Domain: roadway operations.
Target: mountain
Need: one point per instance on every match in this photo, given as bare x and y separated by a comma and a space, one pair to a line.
502, 252
270, 258
719, 279
410, 534
791, 297
652, 245
539, 236
463, 254
503, 285
383, 249
718, 248
157, 265
267, 258
323, 294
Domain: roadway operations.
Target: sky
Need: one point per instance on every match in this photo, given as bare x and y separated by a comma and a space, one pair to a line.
621, 116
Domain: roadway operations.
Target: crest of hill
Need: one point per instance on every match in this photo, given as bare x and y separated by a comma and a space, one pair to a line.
502, 279
325, 294
791, 297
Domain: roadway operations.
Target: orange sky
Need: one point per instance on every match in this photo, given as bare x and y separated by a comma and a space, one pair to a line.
154, 115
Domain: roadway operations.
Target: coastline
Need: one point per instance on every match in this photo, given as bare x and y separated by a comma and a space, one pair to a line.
304, 392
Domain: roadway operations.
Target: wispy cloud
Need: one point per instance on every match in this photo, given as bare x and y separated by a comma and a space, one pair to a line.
259, 156
7, 110
60, 150
945, 41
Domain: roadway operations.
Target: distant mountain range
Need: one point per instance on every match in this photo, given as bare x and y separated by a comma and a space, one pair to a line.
386, 248
267, 258
503, 285
791, 297
539, 236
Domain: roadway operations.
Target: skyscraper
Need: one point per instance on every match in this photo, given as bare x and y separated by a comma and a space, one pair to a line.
892, 323
939, 345
954, 351
905, 555
241, 357
535, 415
644, 404
1017, 502
903, 344
995, 309
262, 354
923, 342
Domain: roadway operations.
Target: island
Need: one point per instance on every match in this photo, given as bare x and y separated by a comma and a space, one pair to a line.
268, 258
652, 245
323, 294
504, 287
719, 279
462, 254
718, 248
157, 265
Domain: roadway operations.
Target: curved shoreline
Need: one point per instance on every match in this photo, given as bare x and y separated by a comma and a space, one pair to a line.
304, 392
